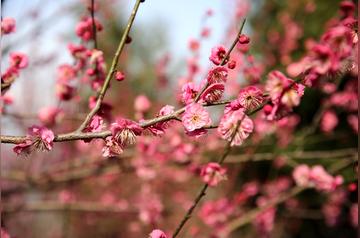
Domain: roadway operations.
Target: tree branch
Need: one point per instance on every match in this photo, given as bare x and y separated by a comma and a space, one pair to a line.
112, 69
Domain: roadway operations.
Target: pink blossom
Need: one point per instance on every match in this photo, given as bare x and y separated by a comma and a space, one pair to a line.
228, 125
216, 213
316, 177
205, 32
84, 28
10, 75
166, 110
213, 93
50, 115
189, 92
301, 175
195, 117
264, 222
96, 124
212, 173
244, 39
119, 76
142, 103
157, 234
64, 91
159, 128
194, 45
65, 73
353, 121
231, 64
125, 131
250, 97
4, 233
329, 121
112, 148
217, 75
108, 199
38, 137
66, 196
347, 8
149, 205
324, 181
18, 60
8, 25
217, 54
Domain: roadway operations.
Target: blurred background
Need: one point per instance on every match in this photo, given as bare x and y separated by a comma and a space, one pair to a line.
73, 192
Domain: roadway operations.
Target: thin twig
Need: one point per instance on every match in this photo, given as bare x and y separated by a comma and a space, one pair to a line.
112, 68
92, 12
251, 215
103, 134
224, 60
202, 191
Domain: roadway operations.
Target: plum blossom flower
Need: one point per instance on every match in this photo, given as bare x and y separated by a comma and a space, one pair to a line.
194, 45
264, 222
159, 128
250, 97
316, 177
353, 121
212, 173
96, 124
157, 234
119, 76
50, 115
189, 92
216, 213
8, 25
301, 175
228, 126
125, 131
142, 103
231, 64
217, 75
4, 233
112, 148
195, 117
84, 28
38, 137
284, 93
65, 73
213, 93
217, 54
18, 60
329, 121
64, 91
244, 39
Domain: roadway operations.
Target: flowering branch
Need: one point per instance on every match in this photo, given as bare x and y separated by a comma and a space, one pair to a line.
225, 59
202, 191
251, 215
77, 135
112, 70
92, 12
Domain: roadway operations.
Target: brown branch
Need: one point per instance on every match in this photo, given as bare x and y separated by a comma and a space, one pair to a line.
92, 12
102, 135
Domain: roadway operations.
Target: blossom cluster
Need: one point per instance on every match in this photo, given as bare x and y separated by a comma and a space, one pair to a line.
316, 177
